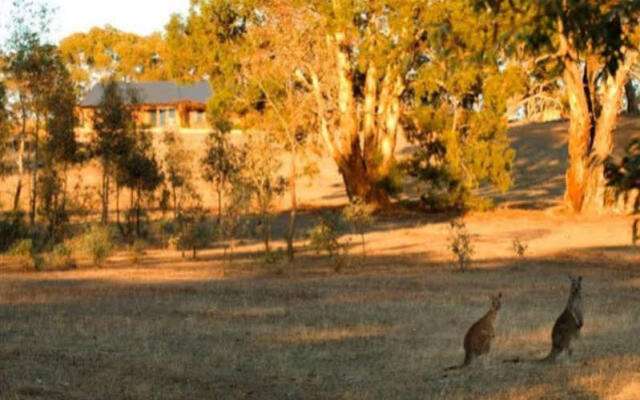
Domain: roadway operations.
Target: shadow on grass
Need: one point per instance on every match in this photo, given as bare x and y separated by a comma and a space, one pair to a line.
384, 330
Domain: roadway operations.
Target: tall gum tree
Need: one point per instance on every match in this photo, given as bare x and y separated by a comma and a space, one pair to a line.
590, 46
357, 68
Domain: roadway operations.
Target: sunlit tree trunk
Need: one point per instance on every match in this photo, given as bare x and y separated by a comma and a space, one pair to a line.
590, 132
105, 192
20, 156
362, 139
34, 172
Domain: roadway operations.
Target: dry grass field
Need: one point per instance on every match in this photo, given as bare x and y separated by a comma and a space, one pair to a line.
177, 329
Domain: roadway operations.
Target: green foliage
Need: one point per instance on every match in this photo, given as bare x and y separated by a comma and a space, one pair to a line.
122, 54
12, 229
62, 257
460, 244
274, 257
359, 215
460, 126
26, 252
324, 236
98, 244
261, 166
196, 234
231, 222
221, 164
624, 177
177, 168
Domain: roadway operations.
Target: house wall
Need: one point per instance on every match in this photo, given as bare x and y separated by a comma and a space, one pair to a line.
184, 118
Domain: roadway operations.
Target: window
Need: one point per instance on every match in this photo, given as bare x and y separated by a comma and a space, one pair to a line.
172, 116
163, 118
153, 118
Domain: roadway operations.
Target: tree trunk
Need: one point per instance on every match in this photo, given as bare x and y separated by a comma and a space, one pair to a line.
590, 138
20, 158
580, 132
632, 98
138, 195
105, 192
363, 142
219, 190
360, 185
175, 202
267, 232
291, 229
34, 172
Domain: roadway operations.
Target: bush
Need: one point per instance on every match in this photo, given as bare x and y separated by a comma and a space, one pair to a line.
460, 244
519, 248
25, 251
274, 257
359, 215
137, 251
12, 229
324, 237
98, 244
196, 235
62, 257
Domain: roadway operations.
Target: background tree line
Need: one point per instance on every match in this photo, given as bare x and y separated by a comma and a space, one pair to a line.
304, 78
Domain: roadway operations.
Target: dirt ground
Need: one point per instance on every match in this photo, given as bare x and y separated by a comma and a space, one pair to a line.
179, 329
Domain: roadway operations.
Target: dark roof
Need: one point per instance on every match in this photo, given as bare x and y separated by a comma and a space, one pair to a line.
159, 92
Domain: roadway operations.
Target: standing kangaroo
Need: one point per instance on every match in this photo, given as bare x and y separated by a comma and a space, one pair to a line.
568, 324
477, 341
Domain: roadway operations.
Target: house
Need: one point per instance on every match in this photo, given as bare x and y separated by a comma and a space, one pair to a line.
161, 106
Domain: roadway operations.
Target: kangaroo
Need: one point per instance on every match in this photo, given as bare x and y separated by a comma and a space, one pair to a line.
477, 341
568, 324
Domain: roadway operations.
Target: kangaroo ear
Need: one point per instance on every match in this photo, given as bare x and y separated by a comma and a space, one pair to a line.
580, 279
500, 296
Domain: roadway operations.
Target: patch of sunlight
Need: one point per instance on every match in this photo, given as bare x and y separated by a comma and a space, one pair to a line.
619, 385
248, 313
630, 391
521, 393
311, 335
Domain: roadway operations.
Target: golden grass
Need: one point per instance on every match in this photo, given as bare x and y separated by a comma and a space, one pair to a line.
159, 332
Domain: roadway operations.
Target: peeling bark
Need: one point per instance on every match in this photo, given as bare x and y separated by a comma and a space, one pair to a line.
361, 137
590, 131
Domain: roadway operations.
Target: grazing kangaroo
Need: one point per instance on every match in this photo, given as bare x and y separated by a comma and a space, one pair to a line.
568, 324
478, 339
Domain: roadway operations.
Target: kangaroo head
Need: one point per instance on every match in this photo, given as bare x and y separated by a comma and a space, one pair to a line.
576, 285
496, 302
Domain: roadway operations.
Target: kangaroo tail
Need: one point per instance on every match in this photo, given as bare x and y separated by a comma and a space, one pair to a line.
455, 367
553, 354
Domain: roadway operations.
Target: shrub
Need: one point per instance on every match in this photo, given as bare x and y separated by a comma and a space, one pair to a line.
519, 248
98, 244
137, 251
12, 229
274, 257
324, 237
24, 252
460, 244
62, 257
359, 215
196, 235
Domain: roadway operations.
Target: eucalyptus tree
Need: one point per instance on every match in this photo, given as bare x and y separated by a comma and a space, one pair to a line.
358, 66
590, 46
